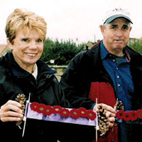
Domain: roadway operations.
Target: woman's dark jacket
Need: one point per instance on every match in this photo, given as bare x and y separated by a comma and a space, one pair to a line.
13, 81
87, 67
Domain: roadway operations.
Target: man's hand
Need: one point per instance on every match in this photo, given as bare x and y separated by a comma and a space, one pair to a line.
109, 111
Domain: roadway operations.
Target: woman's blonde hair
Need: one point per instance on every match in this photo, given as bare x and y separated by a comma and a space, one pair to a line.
21, 19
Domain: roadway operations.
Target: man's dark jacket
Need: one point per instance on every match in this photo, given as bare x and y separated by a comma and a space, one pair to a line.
87, 67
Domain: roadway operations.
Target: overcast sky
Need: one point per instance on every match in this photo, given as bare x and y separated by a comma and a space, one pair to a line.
73, 19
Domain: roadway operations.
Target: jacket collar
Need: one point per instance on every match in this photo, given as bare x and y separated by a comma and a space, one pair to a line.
105, 53
8, 61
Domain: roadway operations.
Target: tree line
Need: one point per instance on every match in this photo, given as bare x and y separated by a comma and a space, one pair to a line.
60, 52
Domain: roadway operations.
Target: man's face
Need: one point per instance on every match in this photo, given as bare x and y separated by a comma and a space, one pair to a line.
116, 35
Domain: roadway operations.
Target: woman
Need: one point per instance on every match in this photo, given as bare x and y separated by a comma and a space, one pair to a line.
21, 74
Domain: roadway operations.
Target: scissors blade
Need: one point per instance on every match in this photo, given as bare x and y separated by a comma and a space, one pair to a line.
25, 118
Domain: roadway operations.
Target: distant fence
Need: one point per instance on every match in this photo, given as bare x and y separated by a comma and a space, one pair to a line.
60, 70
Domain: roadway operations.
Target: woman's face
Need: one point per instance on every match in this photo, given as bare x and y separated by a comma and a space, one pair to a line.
27, 48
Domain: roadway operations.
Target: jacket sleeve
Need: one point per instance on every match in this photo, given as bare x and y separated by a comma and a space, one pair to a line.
74, 83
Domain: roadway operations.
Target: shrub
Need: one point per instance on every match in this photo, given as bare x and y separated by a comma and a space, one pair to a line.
61, 52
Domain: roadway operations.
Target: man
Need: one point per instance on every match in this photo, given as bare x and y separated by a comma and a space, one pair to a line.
108, 72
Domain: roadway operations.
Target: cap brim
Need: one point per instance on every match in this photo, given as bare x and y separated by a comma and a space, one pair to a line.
110, 19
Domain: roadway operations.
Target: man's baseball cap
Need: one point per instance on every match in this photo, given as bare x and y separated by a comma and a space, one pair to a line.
116, 13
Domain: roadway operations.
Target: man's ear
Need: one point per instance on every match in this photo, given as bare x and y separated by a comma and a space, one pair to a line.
9, 44
130, 28
102, 29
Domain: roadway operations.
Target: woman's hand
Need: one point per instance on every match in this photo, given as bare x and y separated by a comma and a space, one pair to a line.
11, 111
109, 111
